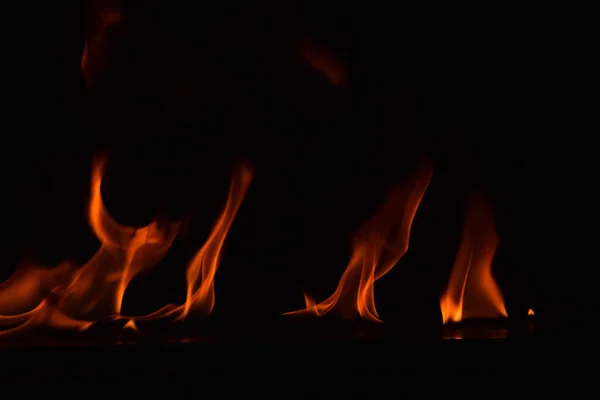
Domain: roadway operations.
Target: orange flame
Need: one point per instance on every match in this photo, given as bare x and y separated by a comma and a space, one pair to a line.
131, 325
99, 286
200, 274
472, 291
377, 247
201, 271
530, 312
67, 297
26, 300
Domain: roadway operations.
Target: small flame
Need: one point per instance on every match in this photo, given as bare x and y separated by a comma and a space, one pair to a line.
131, 325
472, 291
377, 247
530, 312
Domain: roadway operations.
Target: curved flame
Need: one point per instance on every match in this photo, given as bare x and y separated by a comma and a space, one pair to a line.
377, 247
200, 274
72, 298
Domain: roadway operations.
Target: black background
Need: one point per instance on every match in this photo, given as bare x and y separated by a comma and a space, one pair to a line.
190, 89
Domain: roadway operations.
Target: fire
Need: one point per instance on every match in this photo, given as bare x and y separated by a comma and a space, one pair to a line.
71, 297
530, 312
124, 253
131, 325
472, 291
377, 247
201, 271
200, 297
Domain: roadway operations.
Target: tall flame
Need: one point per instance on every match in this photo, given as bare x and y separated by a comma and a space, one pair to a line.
472, 291
200, 274
201, 270
377, 247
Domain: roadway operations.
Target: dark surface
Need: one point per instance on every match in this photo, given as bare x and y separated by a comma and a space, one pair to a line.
342, 368
307, 357
297, 330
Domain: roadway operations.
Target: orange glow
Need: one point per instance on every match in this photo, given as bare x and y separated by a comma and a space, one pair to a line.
324, 62
472, 291
73, 298
530, 312
377, 247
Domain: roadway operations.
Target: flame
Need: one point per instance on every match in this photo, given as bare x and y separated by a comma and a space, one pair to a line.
472, 291
323, 61
131, 325
26, 300
99, 286
200, 273
73, 298
530, 312
377, 247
